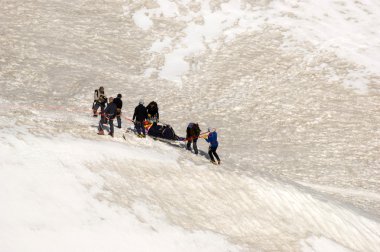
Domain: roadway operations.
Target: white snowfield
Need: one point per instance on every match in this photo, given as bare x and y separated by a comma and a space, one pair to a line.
291, 86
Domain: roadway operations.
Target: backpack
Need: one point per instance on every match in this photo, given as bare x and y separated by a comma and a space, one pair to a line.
197, 130
189, 130
153, 104
152, 108
193, 130
102, 98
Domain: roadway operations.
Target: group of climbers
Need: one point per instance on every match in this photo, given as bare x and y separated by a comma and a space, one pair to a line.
193, 134
111, 108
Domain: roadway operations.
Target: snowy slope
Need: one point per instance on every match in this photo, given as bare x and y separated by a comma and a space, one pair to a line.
54, 202
133, 193
348, 29
291, 86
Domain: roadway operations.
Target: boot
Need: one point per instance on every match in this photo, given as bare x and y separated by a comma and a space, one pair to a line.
101, 132
111, 134
218, 162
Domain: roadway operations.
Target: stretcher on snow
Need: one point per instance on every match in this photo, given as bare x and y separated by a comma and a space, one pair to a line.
162, 132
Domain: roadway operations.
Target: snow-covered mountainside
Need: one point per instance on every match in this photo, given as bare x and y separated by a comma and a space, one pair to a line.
292, 87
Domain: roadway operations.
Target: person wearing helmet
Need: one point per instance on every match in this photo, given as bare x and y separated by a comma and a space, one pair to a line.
109, 114
100, 100
192, 135
212, 139
140, 115
119, 105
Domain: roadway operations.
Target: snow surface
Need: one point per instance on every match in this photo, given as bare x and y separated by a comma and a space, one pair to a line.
60, 194
292, 88
142, 20
350, 29
54, 202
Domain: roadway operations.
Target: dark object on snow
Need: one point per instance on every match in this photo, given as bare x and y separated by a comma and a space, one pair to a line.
165, 132
168, 133
155, 130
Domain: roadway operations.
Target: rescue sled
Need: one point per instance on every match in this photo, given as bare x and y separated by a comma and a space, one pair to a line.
163, 132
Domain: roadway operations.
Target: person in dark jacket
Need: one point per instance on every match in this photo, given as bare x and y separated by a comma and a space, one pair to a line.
100, 100
119, 105
152, 110
213, 140
140, 115
192, 135
109, 114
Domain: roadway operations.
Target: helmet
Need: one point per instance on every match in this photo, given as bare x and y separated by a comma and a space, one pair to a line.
141, 102
119, 96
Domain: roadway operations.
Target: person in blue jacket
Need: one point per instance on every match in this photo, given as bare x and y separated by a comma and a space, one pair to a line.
213, 140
